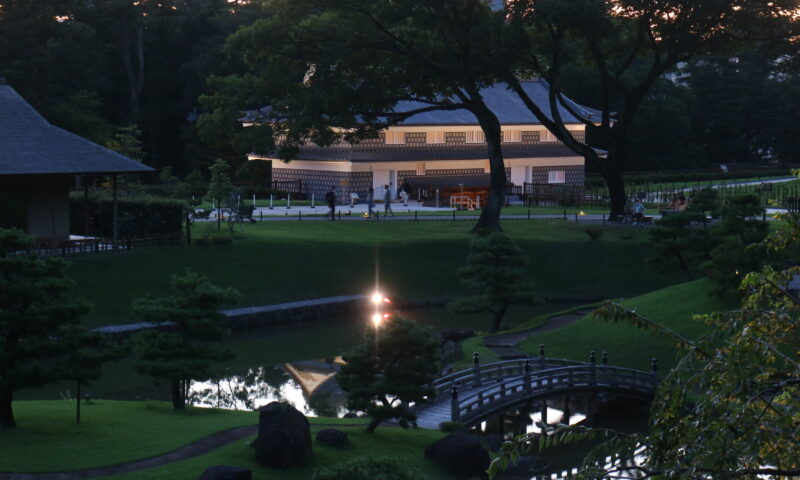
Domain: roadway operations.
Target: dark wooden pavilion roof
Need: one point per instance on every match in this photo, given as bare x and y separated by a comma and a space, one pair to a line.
30, 145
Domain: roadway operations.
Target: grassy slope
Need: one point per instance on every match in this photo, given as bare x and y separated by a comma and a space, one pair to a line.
282, 262
111, 432
628, 346
407, 445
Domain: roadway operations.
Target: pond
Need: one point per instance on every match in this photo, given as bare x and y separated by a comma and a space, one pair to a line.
270, 361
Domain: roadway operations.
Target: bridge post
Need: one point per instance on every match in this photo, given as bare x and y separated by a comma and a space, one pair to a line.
654, 366
526, 375
454, 414
541, 356
604, 358
593, 364
476, 370
502, 389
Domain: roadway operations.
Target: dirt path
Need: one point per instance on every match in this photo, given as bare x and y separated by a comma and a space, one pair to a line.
195, 449
504, 346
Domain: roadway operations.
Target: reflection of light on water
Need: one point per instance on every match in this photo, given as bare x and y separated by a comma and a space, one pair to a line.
554, 416
260, 386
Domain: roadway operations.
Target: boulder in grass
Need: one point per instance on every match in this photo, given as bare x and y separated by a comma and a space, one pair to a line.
226, 472
461, 454
332, 438
284, 437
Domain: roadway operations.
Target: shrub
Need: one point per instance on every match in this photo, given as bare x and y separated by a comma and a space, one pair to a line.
451, 427
594, 233
368, 468
140, 216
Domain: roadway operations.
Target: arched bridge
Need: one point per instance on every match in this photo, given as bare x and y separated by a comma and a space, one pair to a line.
472, 395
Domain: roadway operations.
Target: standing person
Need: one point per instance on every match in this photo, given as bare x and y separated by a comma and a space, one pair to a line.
370, 201
638, 212
387, 201
330, 197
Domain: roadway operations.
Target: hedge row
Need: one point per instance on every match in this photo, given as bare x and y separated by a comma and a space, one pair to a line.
138, 217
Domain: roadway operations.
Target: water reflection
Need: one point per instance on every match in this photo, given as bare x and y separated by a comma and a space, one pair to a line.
308, 386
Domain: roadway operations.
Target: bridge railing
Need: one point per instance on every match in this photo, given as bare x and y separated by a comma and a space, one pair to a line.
496, 371
549, 381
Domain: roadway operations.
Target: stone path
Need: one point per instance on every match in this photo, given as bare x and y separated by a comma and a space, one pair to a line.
504, 345
195, 449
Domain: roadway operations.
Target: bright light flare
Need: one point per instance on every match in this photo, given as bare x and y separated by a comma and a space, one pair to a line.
377, 298
377, 319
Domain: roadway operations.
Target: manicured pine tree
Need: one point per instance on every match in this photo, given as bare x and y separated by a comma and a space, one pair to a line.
384, 375
39, 321
185, 349
496, 272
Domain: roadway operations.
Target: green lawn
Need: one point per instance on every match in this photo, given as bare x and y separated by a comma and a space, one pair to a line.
286, 261
407, 445
626, 345
112, 432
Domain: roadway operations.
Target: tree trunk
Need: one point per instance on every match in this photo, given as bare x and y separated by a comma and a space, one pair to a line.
78, 402
489, 220
615, 179
498, 317
373, 424
6, 411
176, 392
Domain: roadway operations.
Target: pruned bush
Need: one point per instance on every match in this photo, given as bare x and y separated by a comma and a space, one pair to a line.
142, 216
368, 468
594, 233
451, 427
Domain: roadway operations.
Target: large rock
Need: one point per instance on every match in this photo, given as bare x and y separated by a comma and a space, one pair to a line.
332, 438
460, 454
284, 437
225, 472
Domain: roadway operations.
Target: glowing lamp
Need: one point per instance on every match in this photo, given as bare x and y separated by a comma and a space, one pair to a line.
377, 298
377, 319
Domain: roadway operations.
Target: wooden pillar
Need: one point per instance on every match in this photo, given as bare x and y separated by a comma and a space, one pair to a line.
85, 180
115, 216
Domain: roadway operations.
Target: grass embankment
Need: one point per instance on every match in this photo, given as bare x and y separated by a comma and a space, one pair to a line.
111, 432
407, 445
626, 345
286, 261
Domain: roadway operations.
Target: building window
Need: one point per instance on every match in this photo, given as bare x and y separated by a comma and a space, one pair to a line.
530, 137
556, 176
579, 136
381, 140
455, 138
416, 138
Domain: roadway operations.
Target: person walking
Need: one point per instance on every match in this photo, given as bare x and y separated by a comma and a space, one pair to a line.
370, 201
387, 201
330, 197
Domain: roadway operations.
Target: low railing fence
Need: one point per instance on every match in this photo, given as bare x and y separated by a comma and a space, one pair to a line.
91, 245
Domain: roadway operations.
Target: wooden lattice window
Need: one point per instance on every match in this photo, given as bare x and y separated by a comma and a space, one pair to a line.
455, 138
530, 137
381, 140
416, 138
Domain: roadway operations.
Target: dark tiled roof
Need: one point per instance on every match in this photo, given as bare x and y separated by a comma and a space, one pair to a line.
503, 102
405, 153
30, 145
499, 98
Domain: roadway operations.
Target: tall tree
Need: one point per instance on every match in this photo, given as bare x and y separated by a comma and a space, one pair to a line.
336, 69
497, 274
39, 321
184, 350
629, 45
220, 188
392, 369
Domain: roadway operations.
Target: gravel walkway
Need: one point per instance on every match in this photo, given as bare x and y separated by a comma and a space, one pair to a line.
504, 346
